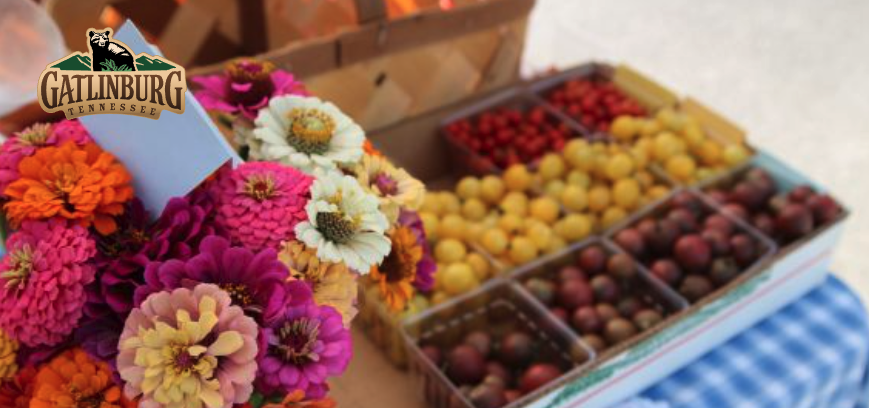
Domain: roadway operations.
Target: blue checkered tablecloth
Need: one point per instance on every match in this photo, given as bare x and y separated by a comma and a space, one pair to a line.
812, 354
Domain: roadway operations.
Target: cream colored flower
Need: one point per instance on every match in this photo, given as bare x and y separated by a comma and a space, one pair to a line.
344, 223
306, 133
333, 284
394, 187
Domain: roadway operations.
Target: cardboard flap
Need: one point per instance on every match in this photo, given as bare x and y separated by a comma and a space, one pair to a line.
648, 92
716, 125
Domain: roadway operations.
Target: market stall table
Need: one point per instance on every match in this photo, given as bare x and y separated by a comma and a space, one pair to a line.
814, 354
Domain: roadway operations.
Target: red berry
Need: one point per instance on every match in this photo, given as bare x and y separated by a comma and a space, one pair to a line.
693, 253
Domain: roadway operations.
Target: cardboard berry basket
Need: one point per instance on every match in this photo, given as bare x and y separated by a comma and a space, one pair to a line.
786, 273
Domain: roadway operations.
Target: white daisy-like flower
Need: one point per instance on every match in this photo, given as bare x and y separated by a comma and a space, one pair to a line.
306, 133
344, 223
394, 187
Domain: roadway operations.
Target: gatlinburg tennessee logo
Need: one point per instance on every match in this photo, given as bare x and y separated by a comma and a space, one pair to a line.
111, 79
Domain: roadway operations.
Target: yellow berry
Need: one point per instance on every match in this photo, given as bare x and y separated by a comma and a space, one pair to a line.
473, 231
554, 188
473, 209
619, 166
491, 189
657, 192
624, 128
540, 234
495, 241
510, 223
625, 194
551, 167
709, 152
515, 203
645, 179
522, 250
574, 227
479, 264
459, 278
450, 250
650, 128
666, 116
556, 244
665, 146
681, 167
572, 147
574, 198
598, 198
452, 226
544, 209
517, 178
735, 154
582, 158
438, 298
432, 204
430, 223
450, 203
693, 135
579, 178
612, 215
468, 187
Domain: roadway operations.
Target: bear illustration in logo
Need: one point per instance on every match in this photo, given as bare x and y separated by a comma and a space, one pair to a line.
109, 55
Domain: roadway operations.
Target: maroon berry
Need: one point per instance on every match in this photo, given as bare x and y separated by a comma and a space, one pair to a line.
597, 343
723, 271
541, 289
716, 195
735, 210
667, 271
794, 221
619, 330
606, 311
622, 267
465, 365
496, 369
718, 241
586, 320
647, 318
744, 250
605, 288
488, 396
631, 241
537, 376
695, 287
571, 272
479, 340
687, 201
684, 219
659, 235
559, 313
748, 194
517, 350
629, 306
718, 222
433, 354
575, 293
512, 395
693, 253
824, 208
592, 259
800, 194
764, 223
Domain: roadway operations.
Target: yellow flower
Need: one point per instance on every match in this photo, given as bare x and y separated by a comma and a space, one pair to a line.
393, 186
333, 284
8, 352
395, 276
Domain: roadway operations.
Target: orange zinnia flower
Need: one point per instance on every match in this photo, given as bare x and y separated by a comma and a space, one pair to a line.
296, 398
370, 150
83, 183
72, 379
396, 274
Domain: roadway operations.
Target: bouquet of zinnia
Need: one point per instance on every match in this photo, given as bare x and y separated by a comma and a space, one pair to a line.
362, 211
239, 294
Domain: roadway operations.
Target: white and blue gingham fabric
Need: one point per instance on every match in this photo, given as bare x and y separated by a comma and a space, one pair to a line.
812, 354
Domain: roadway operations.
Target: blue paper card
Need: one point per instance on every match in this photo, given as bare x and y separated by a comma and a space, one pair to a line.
167, 157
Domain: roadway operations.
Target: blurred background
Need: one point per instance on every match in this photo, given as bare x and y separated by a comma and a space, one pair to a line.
791, 73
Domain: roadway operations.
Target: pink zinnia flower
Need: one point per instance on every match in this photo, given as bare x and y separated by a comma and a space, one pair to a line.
189, 348
246, 86
306, 344
24, 144
43, 279
260, 203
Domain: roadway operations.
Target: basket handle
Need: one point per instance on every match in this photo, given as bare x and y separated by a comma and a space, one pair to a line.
370, 11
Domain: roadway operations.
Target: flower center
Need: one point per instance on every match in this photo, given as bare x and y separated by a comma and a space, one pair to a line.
260, 187
310, 130
297, 340
401, 263
85, 399
36, 135
20, 267
238, 293
336, 227
249, 81
386, 184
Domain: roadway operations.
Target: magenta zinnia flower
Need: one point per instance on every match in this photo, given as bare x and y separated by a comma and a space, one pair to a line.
184, 223
43, 279
256, 282
24, 144
260, 203
306, 345
189, 348
245, 86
